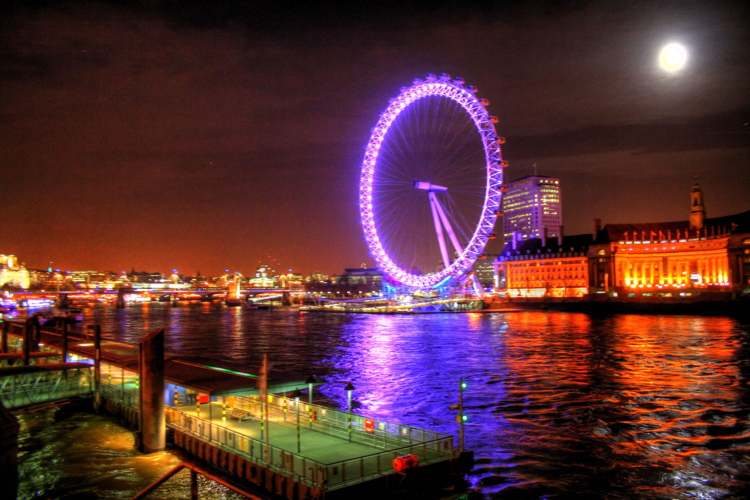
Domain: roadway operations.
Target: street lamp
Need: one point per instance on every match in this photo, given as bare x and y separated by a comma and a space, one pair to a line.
296, 405
310, 381
349, 388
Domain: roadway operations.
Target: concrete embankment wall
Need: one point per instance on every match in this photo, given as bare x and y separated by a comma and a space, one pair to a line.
636, 305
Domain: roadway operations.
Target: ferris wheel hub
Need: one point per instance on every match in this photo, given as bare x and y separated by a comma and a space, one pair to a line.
433, 188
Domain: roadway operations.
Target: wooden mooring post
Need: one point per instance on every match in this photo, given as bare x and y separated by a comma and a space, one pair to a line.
153, 416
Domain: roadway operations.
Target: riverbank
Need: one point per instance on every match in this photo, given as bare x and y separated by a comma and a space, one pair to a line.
638, 305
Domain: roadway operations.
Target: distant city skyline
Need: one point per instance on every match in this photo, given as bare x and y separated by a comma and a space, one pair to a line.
202, 136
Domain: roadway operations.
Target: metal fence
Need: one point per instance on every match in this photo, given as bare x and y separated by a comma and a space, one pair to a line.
373, 432
119, 394
290, 464
300, 468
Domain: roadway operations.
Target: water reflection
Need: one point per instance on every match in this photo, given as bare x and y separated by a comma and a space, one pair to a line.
561, 404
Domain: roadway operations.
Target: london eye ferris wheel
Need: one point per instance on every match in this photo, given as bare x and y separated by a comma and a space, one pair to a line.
431, 184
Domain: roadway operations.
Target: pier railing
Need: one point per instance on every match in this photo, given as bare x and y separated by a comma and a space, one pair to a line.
377, 433
299, 467
393, 439
120, 394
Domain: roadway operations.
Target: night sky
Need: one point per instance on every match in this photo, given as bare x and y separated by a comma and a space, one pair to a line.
205, 136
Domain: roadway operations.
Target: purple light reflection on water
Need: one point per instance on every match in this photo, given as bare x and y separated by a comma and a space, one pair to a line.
561, 404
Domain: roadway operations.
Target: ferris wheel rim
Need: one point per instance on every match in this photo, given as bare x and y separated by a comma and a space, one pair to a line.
465, 97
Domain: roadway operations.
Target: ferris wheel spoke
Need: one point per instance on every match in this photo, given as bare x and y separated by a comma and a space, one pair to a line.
439, 230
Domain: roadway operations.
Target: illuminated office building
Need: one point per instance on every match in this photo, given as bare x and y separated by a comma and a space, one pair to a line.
532, 205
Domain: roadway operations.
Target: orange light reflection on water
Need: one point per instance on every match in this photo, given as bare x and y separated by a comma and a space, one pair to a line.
679, 379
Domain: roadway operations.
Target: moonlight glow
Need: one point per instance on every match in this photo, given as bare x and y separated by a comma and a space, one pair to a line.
673, 57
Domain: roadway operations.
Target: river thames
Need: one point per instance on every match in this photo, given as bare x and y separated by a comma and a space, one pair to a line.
561, 405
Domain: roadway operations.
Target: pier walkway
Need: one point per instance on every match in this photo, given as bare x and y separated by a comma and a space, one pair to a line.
218, 409
326, 458
318, 452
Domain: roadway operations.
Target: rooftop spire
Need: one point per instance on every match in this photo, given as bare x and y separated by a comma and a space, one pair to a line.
697, 209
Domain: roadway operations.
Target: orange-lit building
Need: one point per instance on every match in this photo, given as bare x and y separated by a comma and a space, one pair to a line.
665, 259
544, 267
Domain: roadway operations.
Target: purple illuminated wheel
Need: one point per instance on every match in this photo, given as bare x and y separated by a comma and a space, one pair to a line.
430, 183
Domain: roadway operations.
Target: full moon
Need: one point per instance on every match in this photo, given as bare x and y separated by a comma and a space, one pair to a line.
673, 57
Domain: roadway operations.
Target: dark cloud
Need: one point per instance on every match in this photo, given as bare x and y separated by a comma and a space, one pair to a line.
204, 135
719, 131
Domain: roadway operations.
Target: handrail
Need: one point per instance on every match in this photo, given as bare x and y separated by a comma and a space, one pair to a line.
325, 475
390, 450
261, 444
194, 470
338, 418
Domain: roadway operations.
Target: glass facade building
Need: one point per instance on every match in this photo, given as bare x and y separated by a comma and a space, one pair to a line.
530, 205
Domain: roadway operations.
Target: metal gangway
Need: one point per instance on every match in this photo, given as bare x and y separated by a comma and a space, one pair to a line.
31, 385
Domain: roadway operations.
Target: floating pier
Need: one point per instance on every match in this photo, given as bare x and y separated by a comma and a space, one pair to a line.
277, 442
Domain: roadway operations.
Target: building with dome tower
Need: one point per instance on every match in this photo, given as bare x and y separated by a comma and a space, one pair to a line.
706, 258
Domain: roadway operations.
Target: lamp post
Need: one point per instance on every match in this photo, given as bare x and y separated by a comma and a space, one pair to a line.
310, 381
296, 405
349, 388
